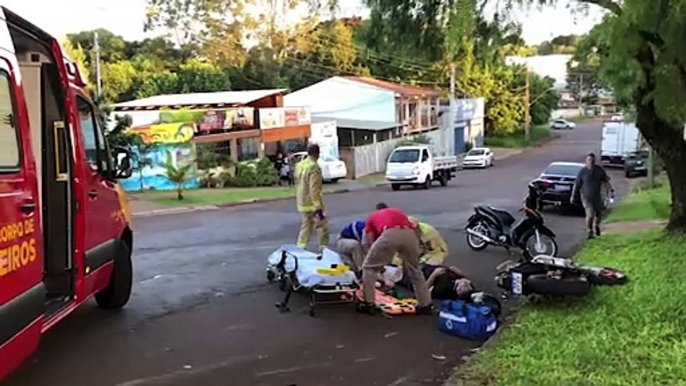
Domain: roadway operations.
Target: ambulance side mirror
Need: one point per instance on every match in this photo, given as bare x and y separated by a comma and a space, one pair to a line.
122, 163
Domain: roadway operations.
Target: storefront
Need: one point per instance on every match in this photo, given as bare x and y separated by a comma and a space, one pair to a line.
284, 130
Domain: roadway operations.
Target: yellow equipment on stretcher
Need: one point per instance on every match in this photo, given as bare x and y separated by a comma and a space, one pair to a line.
336, 269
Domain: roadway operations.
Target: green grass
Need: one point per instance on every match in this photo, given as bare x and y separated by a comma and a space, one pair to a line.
649, 204
581, 119
516, 140
627, 335
217, 196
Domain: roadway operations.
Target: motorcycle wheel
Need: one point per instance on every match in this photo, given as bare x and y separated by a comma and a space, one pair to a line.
569, 285
475, 242
543, 245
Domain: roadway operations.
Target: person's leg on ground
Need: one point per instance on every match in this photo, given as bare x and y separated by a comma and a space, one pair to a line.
409, 249
307, 223
380, 254
323, 228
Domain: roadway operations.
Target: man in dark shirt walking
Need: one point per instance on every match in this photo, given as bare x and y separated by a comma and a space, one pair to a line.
591, 184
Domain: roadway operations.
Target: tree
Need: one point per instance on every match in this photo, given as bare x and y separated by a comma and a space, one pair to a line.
198, 76
543, 96
177, 174
117, 80
582, 70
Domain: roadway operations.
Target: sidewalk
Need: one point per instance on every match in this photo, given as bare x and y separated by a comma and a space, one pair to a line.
144, 205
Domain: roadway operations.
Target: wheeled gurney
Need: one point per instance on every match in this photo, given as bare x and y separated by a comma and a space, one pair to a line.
324, 276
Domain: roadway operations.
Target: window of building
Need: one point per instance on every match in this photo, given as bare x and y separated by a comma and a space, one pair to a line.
9, 138
248, 148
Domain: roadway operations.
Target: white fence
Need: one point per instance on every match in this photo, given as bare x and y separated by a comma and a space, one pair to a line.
372, 158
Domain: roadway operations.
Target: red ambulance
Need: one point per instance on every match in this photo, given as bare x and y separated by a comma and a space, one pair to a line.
65, 233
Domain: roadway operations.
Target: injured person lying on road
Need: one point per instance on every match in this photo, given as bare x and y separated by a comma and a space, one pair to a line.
445, 283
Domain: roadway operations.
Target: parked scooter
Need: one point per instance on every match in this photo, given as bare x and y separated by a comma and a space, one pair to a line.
491, 226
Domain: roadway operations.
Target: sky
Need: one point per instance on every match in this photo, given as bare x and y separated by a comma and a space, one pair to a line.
126, 17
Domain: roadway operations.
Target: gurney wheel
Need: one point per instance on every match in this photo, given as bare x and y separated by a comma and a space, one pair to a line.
312, 310
270, 276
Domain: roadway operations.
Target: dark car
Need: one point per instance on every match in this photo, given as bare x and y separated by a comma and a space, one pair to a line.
557, 182
635, 164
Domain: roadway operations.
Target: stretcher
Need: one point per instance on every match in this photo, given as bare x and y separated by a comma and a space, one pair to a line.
390, 305
324, 276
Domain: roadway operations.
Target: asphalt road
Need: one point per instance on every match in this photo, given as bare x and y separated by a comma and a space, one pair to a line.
203, 313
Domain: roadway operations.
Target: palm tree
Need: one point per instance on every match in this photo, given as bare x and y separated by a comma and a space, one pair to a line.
177, 174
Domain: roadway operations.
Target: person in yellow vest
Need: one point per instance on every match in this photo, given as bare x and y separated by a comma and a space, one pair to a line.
308, 181
434, 247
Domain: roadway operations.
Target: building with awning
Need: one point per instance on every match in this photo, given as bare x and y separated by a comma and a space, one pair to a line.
239, 123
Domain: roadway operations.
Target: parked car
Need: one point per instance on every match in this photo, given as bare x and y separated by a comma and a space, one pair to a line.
562, 124
480, 157
556, 183
635, 164
617, 118
418, 166
332, 169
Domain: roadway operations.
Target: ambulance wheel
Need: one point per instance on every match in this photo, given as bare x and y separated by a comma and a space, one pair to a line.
118, 292
574, 285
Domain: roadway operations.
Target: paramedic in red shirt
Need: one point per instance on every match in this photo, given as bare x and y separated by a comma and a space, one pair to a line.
388, 231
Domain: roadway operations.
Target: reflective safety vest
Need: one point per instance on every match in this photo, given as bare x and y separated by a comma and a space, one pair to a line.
434, 247
308, 181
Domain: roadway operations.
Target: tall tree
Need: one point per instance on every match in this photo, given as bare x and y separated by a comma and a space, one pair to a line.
583, 69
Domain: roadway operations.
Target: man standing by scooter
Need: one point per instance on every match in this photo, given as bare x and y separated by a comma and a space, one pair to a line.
308, 179
589, 186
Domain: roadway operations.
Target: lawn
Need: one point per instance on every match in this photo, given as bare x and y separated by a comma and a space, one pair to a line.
649, 204
628, 335
516, 140
217, 196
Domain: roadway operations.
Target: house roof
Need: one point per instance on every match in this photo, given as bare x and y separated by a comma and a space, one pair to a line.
358, 124
396, 87
213, 99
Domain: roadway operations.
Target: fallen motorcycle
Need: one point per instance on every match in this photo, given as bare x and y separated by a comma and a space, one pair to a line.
491, 226
554, 276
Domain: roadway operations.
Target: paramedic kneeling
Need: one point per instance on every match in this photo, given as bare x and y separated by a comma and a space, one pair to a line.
388, 231
349, 245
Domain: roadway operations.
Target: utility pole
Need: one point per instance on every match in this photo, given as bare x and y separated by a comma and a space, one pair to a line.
527, 108
96, 47
581, 93
451, 120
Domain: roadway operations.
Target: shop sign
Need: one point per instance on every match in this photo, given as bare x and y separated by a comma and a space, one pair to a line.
297, 116
271, 118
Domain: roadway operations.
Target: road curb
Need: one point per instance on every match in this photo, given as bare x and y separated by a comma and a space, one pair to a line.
183, 209
202, 208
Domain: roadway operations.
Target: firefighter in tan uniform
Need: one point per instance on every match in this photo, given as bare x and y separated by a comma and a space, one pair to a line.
308, 180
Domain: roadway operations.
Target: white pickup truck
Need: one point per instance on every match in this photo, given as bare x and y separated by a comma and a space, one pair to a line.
417, 165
